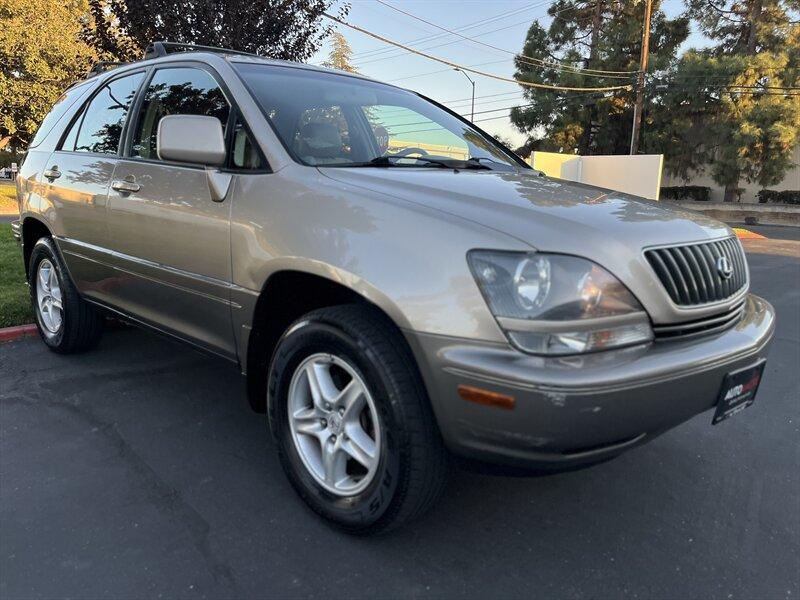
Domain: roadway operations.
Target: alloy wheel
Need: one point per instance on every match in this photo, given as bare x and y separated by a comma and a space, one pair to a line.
334, 424
48, 297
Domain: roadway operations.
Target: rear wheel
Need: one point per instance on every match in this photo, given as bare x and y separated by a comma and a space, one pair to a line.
66, 322
355, 431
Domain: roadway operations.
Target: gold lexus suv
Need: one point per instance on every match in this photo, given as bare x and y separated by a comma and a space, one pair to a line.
396, 285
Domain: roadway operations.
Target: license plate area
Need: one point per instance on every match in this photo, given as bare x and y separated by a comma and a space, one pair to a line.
738, 391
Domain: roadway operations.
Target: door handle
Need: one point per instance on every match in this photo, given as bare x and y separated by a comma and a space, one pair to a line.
125, 186
53, 173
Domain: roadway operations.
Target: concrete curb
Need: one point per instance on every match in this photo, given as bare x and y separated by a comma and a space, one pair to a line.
747, 213
9, 334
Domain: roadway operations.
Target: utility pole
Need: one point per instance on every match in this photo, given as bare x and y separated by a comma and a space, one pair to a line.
472, 116
754, 18
639, 106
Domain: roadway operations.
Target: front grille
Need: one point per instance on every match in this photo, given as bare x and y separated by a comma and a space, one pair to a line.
705, 326
691, 275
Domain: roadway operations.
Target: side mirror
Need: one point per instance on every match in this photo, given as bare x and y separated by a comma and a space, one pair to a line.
193, 139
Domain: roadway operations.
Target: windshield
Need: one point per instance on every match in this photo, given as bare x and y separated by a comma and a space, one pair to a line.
331, 120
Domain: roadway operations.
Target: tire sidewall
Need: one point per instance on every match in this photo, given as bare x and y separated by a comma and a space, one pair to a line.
44, 249
300, 342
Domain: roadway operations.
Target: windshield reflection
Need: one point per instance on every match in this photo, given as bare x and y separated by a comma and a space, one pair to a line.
332, 120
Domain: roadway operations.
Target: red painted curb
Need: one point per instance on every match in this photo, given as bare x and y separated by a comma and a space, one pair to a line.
9, 334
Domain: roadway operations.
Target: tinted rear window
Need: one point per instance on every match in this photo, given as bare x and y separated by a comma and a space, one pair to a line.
62, 105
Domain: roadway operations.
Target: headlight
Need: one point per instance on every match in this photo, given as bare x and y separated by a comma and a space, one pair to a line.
558, 304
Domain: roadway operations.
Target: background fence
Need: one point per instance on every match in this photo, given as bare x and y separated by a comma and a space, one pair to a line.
639, 175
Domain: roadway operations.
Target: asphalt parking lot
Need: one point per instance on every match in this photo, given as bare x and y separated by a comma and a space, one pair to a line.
138, 470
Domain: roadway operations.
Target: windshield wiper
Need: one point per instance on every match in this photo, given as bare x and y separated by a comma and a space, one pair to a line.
441, 163
380, 161
455, 163
497, 165
394, 161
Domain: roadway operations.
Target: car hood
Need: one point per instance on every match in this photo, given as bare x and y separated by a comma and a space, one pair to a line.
549, 214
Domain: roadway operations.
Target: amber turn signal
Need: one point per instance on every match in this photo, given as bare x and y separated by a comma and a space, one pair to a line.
485, 397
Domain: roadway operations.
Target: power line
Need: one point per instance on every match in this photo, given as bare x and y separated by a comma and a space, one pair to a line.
452, 105
463, 106
471, 25
470, 69
485, 96
681, 83
468, 102
432, 37
398, 55
715, 74
524, 58
491, 62
700, 87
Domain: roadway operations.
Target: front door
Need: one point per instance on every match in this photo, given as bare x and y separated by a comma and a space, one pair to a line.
171, 241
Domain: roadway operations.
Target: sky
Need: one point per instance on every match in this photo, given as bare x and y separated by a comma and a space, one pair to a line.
501, 23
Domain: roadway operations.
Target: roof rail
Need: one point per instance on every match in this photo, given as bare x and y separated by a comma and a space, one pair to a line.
161, 48
102, 66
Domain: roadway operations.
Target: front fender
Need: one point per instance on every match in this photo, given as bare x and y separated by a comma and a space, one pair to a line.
408, 259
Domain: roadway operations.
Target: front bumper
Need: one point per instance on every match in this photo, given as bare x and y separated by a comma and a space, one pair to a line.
581, 409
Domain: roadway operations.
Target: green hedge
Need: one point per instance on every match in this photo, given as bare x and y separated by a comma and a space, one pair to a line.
698, 193
776, 197
6, 158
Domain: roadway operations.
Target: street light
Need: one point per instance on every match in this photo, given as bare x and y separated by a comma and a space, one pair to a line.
472, 114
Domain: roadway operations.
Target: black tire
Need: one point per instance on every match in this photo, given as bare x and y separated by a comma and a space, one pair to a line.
81, 325
413, 461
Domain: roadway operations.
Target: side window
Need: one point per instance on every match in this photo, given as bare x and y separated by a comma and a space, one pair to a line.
99, 126
62, 105
176, 91
244, 155
72, 134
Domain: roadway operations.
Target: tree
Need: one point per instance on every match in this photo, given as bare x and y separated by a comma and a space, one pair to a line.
340, 55
41, 53
503, 139
731, 106
601, 35
105, 34
284, 29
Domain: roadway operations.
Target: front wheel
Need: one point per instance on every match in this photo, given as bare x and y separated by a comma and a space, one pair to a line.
355, 431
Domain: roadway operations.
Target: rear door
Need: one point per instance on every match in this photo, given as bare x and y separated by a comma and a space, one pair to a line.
77, 177
171, 241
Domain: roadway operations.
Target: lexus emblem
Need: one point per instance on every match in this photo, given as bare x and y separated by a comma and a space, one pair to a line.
724, 267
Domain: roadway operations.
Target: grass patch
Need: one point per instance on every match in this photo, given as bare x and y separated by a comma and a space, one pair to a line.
8, 199
15, 302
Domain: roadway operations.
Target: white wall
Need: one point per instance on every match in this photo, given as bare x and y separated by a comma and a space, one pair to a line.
639, 175
790, 182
